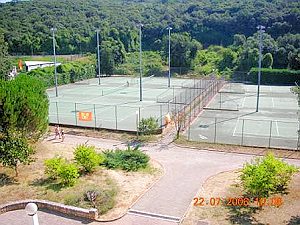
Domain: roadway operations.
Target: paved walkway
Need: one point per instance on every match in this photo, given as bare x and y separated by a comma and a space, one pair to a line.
186, 170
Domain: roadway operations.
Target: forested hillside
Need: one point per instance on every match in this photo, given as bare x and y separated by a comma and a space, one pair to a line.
197, 24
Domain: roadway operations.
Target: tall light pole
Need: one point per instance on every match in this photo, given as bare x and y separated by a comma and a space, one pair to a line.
169, 59
141, 72
98, 52
54, 55
261, 30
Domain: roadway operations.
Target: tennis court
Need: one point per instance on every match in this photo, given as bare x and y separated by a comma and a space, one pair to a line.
231, 117
115, 103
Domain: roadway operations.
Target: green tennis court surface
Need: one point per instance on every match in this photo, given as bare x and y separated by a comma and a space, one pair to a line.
115, 104
231, 118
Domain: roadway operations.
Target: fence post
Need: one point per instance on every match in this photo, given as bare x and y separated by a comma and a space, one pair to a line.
215, 136
270, 136
161, 119
220, 100
75, 109
298, 142
137, 124
95, 117
139, 115
242, 142
116, 116
57, 117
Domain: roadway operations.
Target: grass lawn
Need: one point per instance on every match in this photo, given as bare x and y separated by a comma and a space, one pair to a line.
227, 185
117, 189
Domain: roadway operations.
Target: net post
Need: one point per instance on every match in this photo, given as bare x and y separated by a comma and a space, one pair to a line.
270, 135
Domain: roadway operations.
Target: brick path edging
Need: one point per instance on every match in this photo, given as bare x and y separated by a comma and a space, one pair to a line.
53, 206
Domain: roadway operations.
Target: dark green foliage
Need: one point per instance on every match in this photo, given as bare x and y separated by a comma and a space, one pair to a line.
183, 49
152, 64
267, 61
5, 62
87, 157
148, 126
193, 22
14, 150
266, 176
128, 160
24, 106
66, 72
275, 76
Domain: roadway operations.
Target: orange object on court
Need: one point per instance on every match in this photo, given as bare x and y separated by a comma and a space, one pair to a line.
20, 64
85, 116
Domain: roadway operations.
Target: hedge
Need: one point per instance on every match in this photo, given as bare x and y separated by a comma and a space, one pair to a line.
275, 76
66, 73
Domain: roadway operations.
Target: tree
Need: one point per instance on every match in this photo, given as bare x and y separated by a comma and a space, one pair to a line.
183, 49
239, 40
5, 62
23, 107
14, 150
267, 61
228, 60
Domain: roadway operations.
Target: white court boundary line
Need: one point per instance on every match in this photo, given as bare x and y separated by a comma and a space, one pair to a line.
250, 134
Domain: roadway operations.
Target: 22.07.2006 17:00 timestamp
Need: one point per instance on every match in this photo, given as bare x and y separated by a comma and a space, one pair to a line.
238, 201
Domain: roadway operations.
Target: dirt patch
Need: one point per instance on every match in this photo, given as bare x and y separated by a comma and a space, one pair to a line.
227, 185
29, 184
107, 134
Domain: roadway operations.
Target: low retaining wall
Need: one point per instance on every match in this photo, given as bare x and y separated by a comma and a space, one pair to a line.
53, 206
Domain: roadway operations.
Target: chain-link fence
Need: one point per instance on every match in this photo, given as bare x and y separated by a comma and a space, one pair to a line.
246, 132
186, 102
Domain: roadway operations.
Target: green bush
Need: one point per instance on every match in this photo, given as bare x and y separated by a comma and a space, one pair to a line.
87, 157
275, 76
68, 174
59, 169
266, 176
148, 126
128, 160
52, 167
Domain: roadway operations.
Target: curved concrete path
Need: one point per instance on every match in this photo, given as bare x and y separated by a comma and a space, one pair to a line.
165, 204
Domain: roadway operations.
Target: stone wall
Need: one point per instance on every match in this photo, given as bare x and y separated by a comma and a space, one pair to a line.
52, 206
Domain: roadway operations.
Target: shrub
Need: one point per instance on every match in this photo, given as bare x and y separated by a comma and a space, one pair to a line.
52, 167
266, 176
68, 174
148, 126
87, 157
59, 169
275, 76
128, 160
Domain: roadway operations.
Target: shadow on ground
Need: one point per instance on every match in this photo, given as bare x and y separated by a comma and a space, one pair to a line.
82, 220
243, 215
47, 183
295, 220
6, 180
